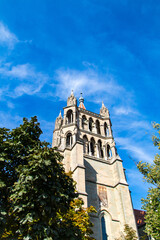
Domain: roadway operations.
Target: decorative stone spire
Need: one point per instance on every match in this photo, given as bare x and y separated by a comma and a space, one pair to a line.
59, 121
104, 111
71, 100
60, 115
81, 102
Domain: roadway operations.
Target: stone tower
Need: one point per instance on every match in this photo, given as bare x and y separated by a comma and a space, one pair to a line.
86, 141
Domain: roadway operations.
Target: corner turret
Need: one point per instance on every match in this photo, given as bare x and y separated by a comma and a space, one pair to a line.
104, 111
71, 100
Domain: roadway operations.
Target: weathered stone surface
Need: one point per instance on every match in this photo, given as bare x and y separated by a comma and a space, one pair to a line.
85, 140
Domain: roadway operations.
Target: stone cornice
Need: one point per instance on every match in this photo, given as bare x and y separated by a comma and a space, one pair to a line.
91, 113
111, 186
110, 161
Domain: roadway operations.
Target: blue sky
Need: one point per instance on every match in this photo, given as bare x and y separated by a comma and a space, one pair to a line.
109, 50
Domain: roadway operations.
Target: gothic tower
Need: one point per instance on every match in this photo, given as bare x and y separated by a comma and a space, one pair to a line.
86, 141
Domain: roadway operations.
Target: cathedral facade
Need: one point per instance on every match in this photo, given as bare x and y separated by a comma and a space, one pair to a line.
86, 141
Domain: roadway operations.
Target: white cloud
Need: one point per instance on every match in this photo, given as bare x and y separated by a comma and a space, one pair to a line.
135, 178
3, 90
22, 71
140, 124
10, 105
32, 80
9, 121
7, 38
124, 110
89, 82
138, 151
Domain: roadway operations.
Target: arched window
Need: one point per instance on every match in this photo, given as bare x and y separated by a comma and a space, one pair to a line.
92, 146
103, 227
98, 127
100, 149
69, 140
109, 152
84, 120
106, 130
69, 117
85, 144
90, 124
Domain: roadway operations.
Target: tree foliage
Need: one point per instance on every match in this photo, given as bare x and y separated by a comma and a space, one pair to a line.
151, 204
37, 197
129, 233
76, 223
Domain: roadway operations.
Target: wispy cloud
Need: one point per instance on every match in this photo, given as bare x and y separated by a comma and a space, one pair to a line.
9, 121
136, 150
135, 178
90, 82
124, 110
29, 80
3, 90
7, 38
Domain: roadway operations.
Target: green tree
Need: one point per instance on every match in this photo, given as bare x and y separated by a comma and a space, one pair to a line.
151, 204
35, 192
129, 233
76, 223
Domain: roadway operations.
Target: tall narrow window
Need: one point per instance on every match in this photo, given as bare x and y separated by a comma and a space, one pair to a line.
100, 149
109, 152
91, 124
84, 120
103, 226
106, 130
92, 145
69, 140
98, 127
85, 146
69, 116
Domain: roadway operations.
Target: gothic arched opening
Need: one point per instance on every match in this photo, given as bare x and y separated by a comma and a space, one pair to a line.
91, 124
106, 130
92, 146
84, 120
85, 144
69, 140
98, 127
109, 152
69, 116
103, 228
100, 150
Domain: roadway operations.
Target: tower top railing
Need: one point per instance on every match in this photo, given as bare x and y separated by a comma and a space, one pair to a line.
91, 113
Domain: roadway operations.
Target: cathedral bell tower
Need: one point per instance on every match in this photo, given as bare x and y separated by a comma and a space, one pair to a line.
86, 141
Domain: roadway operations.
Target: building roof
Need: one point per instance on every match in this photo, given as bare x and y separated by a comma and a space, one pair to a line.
139, 216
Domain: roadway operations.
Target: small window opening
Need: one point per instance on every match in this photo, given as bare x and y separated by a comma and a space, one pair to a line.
92, 145
106, 130
100, 150
69, 140
69, 117
85, 146
98, 127
84, 120
91, 124
109, 152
